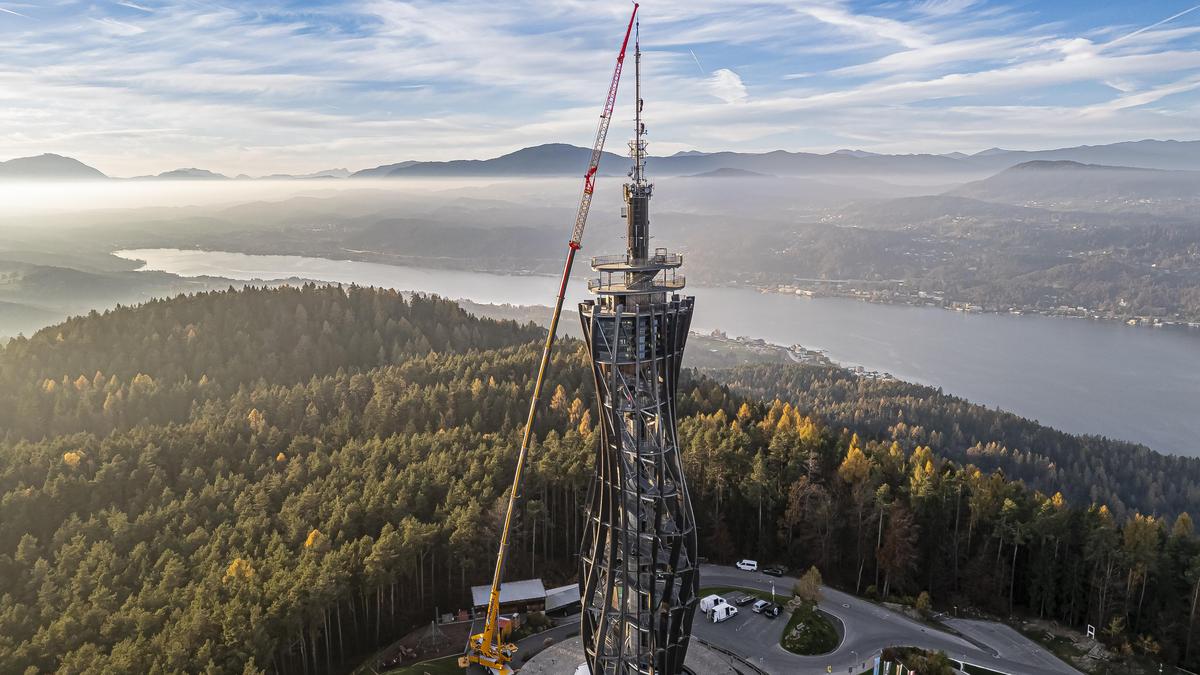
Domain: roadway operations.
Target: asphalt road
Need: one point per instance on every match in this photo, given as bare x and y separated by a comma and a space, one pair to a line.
869, 628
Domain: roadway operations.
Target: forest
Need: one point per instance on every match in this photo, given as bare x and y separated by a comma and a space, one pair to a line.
1124, 476
282, 480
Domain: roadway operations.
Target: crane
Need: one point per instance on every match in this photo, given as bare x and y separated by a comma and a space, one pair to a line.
487, 648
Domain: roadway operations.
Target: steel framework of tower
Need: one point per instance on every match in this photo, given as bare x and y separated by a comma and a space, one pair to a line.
638, 560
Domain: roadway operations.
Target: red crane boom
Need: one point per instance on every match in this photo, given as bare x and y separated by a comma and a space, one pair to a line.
589, 178
487, 648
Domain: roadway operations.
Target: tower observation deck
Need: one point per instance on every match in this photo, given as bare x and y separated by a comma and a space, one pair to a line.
639, 576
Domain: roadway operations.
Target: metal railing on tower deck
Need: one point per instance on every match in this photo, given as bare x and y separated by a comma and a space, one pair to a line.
619, 286
663, 258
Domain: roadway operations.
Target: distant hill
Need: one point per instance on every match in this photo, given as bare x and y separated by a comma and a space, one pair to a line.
907, 212
1144, 154
1041, 191
18, 318
47, 167
1070, 185
855, 153
382, 171
327, 173
726, 172
187, 174
552, 159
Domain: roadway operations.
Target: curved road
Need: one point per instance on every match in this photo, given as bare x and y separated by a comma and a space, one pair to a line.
869, 628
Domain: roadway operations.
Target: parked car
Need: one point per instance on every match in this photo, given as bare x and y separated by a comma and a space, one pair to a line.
760, 606
743, 600
747, 565
772, 610
774, 571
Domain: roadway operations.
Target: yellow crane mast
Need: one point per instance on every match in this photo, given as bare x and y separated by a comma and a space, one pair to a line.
487, 648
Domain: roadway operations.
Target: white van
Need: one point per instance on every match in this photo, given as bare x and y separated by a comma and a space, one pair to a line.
747, 565
723, 612
710, 601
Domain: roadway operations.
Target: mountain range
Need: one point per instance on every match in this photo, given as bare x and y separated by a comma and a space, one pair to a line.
560, 159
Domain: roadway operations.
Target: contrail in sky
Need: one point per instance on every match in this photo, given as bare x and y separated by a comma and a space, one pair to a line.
697, 62
9, 11
1153, 25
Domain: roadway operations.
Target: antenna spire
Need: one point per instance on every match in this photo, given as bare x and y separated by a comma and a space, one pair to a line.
639, 128
637, 190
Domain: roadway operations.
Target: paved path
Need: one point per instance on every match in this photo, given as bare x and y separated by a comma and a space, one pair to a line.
869, 628
1008, 643
535, 643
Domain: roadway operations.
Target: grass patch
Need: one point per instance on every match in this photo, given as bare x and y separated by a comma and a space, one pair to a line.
443, 666
1060, 646
808, 633
725, 591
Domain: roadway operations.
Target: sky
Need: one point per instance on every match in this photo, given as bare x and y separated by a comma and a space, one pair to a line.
135, 87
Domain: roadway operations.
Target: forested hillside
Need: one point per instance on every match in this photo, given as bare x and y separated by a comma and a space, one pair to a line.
150, 363
1086, 469
282, 480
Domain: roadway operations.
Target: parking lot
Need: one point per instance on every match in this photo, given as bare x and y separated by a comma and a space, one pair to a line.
755, 636
868, 629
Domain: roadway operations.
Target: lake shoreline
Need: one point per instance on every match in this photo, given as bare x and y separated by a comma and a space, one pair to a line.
1080, 377
428, 263
1148, 321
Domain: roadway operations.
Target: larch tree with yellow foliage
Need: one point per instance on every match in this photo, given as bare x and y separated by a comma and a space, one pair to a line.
858, 473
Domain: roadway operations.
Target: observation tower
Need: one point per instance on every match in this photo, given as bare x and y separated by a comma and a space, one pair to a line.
639, 576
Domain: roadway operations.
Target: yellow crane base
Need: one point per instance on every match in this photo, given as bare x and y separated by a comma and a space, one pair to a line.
485, 665
493, 658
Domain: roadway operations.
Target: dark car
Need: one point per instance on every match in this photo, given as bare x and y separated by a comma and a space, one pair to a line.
743, 600
774, 571
772, 610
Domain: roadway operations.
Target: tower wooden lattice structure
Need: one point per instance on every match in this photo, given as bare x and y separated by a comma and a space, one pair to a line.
638, 559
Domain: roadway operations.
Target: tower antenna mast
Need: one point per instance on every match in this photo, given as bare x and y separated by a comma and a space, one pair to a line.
639, 129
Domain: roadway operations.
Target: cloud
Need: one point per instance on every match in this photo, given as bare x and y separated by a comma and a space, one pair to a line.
119, 28
294, 86
727, 86
944, 7
866, 26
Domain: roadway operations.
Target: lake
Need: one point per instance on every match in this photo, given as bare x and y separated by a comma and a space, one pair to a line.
1135, 383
